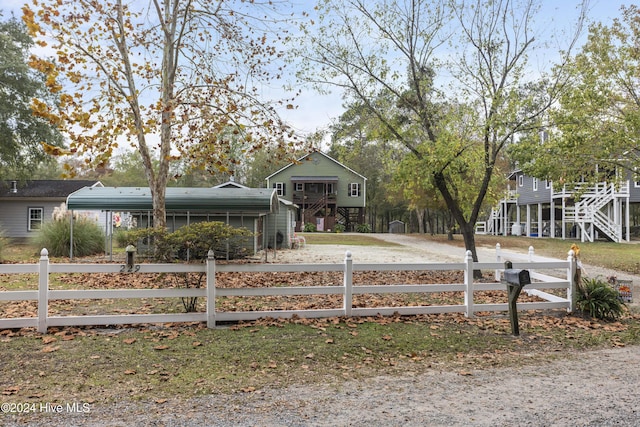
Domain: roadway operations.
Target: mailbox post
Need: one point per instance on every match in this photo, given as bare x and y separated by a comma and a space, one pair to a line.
131, 253
516, 280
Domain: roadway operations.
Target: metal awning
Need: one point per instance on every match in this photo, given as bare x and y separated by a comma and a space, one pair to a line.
130, 199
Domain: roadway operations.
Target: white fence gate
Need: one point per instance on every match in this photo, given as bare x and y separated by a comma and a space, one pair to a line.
541, 283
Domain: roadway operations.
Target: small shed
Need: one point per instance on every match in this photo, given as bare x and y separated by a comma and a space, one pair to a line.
397, 227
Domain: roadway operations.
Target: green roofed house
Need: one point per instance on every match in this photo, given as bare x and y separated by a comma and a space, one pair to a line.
237, 206
326, 192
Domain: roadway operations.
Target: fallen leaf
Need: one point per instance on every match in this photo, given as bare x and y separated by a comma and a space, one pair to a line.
329, 341
248, 389
48, 339
130, 372
11, 390
309, 356
161, 347
387, 337
465, 373
196, 344
129, 340
50, 349
160, 401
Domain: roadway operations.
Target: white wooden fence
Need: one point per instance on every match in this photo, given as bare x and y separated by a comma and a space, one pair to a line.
44, 268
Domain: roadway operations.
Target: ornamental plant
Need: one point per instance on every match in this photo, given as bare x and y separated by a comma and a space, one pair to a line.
598, 299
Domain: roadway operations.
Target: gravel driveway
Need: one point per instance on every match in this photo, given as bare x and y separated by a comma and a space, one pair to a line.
596, 388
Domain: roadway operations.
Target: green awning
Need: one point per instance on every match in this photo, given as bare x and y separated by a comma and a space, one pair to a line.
212, 200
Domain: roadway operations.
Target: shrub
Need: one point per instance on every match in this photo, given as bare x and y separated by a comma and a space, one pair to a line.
363, 228
192, 242
309, 227
339, 228
599, 300
121, 237
55, 235
4, 242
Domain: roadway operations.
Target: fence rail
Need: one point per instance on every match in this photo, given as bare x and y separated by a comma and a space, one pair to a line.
347, 290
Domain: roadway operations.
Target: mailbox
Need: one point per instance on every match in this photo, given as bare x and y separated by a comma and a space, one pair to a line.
517, 277
516, 280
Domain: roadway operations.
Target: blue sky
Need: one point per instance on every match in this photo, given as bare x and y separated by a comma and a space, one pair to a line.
318, 111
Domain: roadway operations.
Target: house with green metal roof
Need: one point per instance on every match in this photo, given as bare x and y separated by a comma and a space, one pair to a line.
326, 192
235, 205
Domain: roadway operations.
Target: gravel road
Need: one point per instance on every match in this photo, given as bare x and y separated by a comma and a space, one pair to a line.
595, 388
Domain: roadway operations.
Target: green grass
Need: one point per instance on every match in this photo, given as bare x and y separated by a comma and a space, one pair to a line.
156, 363
356, 239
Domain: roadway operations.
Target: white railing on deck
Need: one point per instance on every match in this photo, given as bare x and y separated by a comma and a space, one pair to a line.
43, 295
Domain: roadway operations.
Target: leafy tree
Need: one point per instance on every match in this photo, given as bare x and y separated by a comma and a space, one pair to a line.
359, 142
21, 133
596, 128
166, 77
457, 127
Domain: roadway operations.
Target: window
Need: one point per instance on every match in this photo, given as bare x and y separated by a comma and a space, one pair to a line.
280, 188
547, 184
330, 188
35, 219
535, 184
521, 181
299, 186
354, 189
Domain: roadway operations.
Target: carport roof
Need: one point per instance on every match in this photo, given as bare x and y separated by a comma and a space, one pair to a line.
131, 199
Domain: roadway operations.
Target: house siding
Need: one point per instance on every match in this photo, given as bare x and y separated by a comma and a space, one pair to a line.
14, 216
319, 165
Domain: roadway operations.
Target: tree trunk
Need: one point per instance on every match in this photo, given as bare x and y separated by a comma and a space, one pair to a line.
420, 217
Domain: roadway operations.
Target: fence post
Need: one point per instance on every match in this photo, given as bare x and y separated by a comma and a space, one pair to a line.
498, 259
468, 282
531, 253
43, 291
211, 290
573, 276
348, 284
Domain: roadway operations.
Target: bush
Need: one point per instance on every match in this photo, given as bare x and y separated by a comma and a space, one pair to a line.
55, 235
599, 300
121, 237
363, 228
192, 242
339, 228
309, 227
4, 242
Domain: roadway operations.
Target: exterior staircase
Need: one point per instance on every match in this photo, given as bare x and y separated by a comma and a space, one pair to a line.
592, 212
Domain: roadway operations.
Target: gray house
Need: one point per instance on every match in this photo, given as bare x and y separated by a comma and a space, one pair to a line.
539, 208
26, 205
326, 192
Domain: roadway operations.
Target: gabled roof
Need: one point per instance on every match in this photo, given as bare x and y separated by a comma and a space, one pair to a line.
230, 184
43, 189
309, 154
212, 200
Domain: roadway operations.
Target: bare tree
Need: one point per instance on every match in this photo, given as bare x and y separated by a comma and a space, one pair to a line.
458, 77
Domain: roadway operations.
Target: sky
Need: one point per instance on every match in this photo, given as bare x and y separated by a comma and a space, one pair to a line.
315, 111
